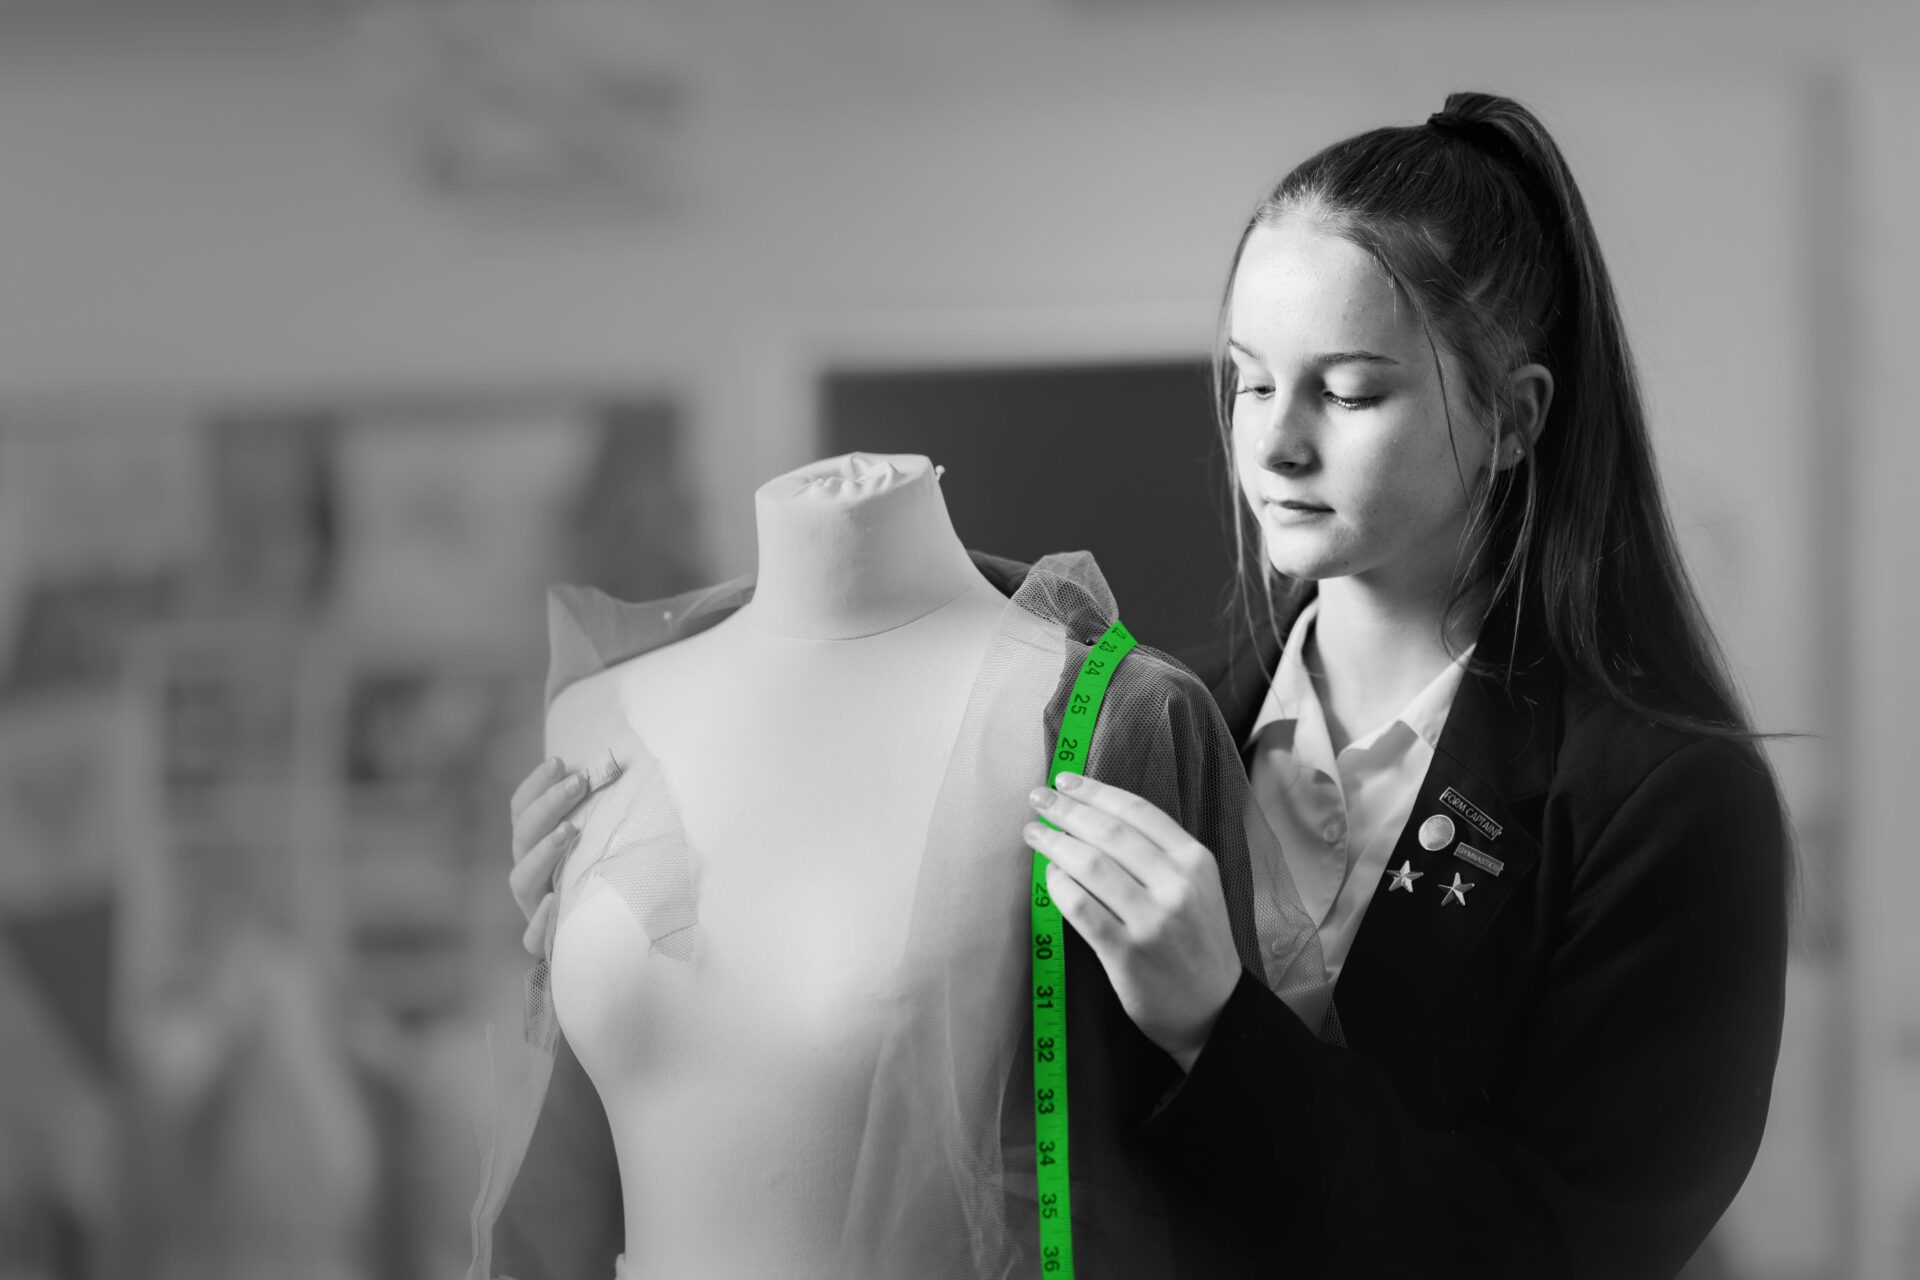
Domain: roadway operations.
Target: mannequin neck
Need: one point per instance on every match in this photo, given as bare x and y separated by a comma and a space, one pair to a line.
854, 546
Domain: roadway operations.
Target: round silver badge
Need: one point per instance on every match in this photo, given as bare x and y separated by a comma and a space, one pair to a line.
1436, 833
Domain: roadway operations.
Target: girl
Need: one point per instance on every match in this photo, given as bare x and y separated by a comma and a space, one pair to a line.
1482, 712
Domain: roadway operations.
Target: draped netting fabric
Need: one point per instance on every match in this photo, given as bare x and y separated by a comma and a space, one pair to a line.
944, 1181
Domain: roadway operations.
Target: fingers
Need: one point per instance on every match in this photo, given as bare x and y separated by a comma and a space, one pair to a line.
544, 775
1093, 870
1128, 830
532, 876
1090, 917
1148, 819
543, 813
1146, 897
535, 938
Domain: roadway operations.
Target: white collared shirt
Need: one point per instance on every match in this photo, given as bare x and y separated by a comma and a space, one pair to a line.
1338, 818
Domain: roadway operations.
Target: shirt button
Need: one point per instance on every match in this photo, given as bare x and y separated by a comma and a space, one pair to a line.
1334, 830
1278, 946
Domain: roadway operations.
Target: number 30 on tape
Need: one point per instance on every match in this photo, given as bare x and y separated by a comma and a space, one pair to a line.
1050, 973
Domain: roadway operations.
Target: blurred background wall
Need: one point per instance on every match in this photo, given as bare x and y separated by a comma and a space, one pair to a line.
331, 330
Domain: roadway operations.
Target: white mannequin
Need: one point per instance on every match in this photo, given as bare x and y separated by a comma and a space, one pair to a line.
804, 738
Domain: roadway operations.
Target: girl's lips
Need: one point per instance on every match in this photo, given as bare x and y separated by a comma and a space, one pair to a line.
1295, 512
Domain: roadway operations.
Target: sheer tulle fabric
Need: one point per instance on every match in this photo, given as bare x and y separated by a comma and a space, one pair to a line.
944, 1183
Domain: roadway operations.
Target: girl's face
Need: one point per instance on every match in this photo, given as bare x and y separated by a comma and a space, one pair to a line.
1340, 436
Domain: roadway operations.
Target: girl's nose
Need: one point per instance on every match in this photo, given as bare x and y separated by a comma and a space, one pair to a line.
1285, 442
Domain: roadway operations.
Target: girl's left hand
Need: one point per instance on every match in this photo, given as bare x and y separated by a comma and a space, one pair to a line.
1146, 896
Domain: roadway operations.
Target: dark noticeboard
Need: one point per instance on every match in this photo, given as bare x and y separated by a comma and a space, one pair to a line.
1121, 460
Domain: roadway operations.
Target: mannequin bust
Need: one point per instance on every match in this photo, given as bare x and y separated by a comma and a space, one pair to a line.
803, 740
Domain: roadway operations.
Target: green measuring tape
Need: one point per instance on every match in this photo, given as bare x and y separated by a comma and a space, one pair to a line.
1050, 970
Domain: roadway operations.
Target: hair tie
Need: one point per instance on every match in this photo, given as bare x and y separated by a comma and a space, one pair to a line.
1493, 141
1478, 133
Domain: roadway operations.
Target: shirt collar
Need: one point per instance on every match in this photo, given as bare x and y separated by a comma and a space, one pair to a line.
1425, 714
1290, 685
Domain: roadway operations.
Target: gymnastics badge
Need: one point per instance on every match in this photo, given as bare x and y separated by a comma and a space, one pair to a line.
1485, 861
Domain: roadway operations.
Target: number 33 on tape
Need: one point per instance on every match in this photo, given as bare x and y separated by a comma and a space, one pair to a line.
1049, 972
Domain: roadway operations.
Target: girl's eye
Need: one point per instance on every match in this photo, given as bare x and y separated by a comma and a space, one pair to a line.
1257, 392
1353, 402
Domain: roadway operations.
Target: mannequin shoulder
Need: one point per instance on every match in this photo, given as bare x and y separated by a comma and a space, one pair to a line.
594, 710
585, 718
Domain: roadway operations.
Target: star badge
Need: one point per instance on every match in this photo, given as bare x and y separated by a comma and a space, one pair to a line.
1404, 877
1456, 892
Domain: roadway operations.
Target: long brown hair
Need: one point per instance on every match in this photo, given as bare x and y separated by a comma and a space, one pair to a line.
1476, 218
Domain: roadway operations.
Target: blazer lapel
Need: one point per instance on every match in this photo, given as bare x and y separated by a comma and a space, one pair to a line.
1488, 779
1479, 807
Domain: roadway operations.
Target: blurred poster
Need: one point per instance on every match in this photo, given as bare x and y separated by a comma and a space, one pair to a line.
102, 515
636, 532
538, 112
451, 515
272, 506
57, 842
419, 821
207, 796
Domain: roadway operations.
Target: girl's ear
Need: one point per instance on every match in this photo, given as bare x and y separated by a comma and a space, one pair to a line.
1529, 396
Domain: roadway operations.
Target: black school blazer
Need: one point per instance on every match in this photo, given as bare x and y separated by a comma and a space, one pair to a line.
1568, 1074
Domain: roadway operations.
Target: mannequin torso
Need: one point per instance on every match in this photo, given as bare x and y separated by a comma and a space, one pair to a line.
797, 738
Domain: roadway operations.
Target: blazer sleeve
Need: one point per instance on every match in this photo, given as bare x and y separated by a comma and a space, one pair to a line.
1644, 1070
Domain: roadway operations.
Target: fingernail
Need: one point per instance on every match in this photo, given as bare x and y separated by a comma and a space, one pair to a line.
567, 832
1032, 833
1041, 798
576, 784
1066, 781
607, 770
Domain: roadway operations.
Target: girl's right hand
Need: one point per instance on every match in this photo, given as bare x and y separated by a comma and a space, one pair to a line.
541, 837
